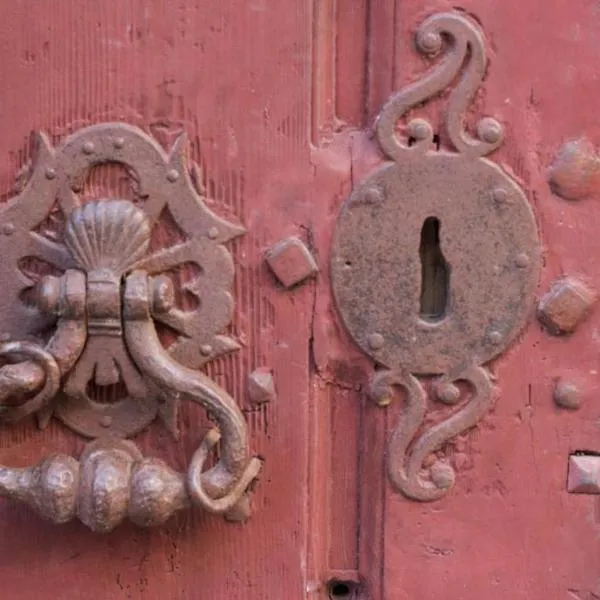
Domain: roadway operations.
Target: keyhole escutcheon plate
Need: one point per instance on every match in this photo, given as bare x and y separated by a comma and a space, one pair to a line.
435, 260
487, 245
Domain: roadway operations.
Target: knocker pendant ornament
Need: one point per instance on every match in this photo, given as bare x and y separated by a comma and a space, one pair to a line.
435, 261
111, 289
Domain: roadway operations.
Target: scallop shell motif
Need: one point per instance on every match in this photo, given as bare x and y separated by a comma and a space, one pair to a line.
107, 235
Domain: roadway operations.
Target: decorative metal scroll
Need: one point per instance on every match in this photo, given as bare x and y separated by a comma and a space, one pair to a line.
435, 260
101, 305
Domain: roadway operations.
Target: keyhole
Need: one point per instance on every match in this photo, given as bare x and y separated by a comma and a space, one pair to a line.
435, 273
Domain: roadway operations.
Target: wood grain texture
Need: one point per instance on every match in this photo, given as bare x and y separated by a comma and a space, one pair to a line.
509, 528
236, 77
273, 97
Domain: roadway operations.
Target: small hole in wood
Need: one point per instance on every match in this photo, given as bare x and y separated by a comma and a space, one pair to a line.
341, 589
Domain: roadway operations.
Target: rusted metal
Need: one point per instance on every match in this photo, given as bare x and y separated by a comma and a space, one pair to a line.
110, 482
60, 173
575, 171
377, 268
291, 262
567, 394
219, 488
448, 393
64, 297
261, 387
435, 255
40, 359
565, 305
406, 457
112, 293
106, 239
584, 474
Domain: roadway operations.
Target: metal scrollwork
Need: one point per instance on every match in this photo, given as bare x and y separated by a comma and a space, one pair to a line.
404, 466
105, 292
435, 260
464, 41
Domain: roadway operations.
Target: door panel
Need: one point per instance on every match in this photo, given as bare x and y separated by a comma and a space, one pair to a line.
278, 101
215, 71
508, 526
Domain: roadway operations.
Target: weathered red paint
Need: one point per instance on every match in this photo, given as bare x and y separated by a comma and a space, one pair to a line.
255, 83
198, 67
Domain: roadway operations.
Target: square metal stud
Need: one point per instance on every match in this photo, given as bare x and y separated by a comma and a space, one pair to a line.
584, 474
291, 261
565, 306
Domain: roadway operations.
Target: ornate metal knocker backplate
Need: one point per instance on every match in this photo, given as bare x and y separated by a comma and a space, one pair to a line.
110, 290
435, 259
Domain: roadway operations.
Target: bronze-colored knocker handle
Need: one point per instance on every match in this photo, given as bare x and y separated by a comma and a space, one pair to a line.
112, 480
108, 286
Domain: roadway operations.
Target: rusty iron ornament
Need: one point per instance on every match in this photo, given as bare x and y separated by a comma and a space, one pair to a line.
575, 170
103, 305
487, 235
565, 305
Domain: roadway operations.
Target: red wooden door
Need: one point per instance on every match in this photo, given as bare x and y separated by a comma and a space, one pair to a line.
206, 69
509, 526
278, 100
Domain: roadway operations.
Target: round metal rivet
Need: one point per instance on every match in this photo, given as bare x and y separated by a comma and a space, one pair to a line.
442, 475
522, 261
448, 393
372, 196
430, 42
50, 173
495, 337
376, 341
172, 175
119, 142
206, 349
500, 195
489, 130
8, 229
88, 147
106, 421
419, 129
213, 232
567, 395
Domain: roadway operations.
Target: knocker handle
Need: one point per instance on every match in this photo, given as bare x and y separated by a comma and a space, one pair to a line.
110, 287
113, 481
40, 374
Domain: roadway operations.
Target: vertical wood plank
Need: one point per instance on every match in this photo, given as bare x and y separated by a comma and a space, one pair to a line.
508, 527
381, 54
236, 77
351, 62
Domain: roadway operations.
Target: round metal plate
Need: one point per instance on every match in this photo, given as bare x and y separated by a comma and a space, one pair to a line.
488, 238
